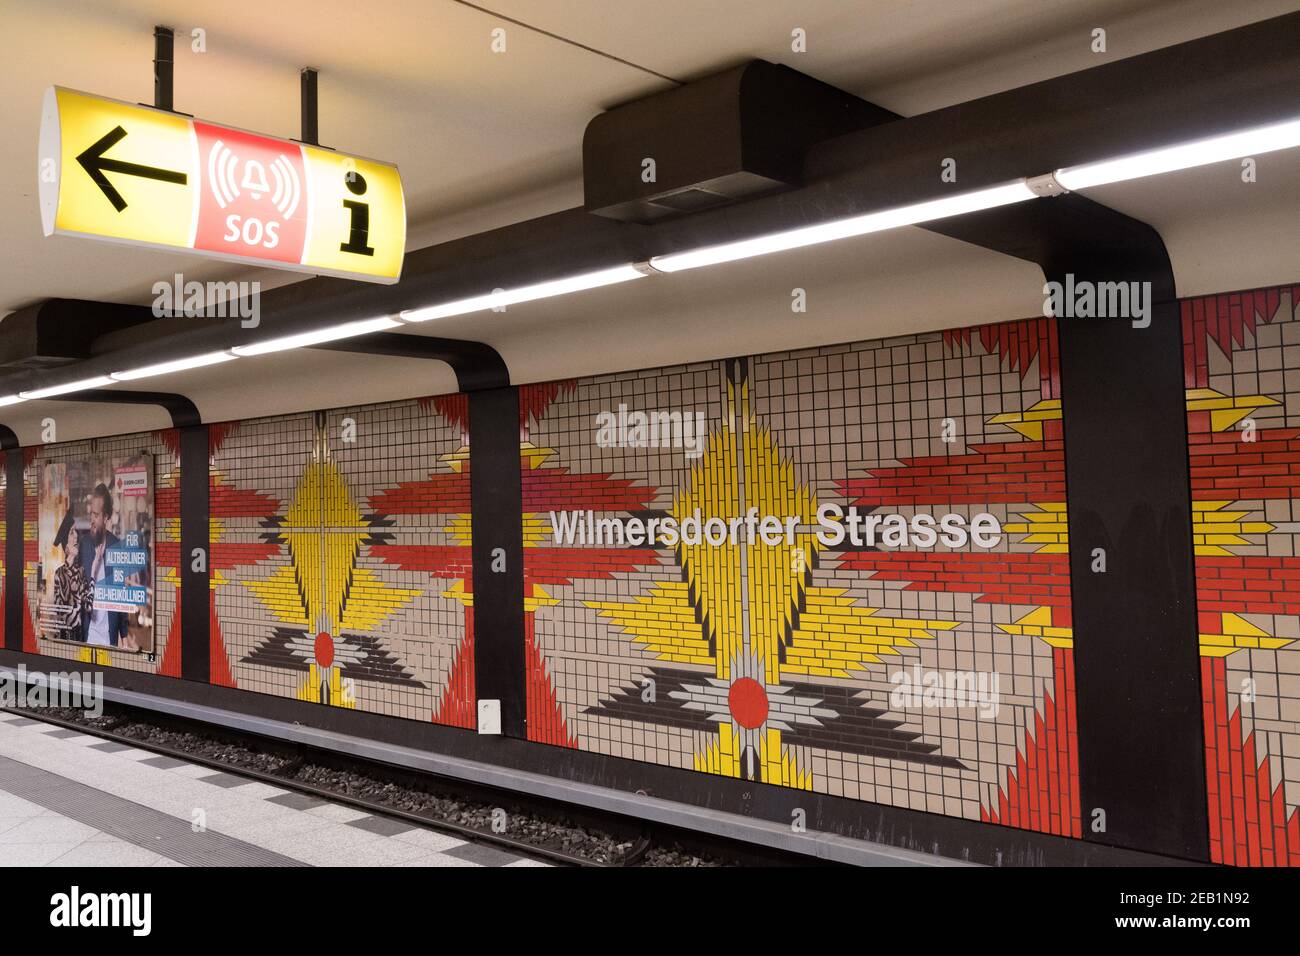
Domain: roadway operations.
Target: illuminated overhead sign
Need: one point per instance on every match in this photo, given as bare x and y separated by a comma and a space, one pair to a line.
125, 173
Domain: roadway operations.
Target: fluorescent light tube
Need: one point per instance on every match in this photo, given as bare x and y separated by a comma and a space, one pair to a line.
10, 400
843, 228
1200, 152
179, 365
69, 387
316, 336
527, 293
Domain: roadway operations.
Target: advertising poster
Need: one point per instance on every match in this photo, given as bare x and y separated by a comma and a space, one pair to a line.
95, 573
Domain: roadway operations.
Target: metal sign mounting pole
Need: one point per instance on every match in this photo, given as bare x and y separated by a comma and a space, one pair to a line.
310, 116
164, 41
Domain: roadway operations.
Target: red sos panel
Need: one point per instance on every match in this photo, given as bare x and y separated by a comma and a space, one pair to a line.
253, 200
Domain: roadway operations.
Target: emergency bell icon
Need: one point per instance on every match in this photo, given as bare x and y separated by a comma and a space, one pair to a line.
255, 179
223, 179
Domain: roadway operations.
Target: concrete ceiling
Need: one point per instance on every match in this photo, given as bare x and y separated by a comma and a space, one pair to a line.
485, 139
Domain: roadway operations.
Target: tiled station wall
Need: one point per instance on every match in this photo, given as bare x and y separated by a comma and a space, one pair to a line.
4, 550
340, 546
1242, 366
341, 569
768, 667
339, 558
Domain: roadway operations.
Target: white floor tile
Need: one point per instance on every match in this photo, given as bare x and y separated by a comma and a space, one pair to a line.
117, 853
47, 830
337, 813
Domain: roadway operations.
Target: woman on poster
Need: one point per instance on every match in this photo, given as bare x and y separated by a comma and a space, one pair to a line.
72, 590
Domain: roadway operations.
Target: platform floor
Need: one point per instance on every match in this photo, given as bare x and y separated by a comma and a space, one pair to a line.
70, 799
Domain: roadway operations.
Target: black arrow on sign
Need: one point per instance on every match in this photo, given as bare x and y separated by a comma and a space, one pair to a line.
95, 165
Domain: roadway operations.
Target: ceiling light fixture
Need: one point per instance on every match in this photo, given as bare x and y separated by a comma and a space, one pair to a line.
843, 228
315, 337
53, 390
179, 365
541, 290
10, 400
1168, 159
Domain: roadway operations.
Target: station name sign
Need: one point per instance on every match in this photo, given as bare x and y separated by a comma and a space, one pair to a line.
133, 174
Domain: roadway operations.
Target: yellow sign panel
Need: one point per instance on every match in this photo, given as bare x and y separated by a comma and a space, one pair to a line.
344, 192
134, 174
157, 140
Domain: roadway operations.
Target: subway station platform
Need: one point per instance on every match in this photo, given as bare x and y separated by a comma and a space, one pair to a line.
71, 799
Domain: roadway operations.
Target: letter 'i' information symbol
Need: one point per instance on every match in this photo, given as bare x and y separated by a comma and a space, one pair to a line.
360, 217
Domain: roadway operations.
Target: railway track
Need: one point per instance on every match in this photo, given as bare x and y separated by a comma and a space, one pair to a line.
537, 828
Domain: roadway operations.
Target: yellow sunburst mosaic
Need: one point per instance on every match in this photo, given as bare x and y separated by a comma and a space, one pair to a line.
663, 621
310, 690
1236, 633
1047, 527
1215, 530
1225, 410
836, 637
754, 606
777, 764
537, 597
323, 589
1038, 623
94, 655
536, 528
1030, 421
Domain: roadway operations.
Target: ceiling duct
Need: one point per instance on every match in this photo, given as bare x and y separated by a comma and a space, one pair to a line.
59, 331
731, 136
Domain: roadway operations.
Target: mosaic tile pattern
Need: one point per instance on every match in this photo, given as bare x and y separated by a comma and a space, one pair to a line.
4, 535
253, 472
1242, 365
342, 572
343, 556
776, 661
166, 585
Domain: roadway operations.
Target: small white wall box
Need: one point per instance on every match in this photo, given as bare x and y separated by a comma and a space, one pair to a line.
489, 717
